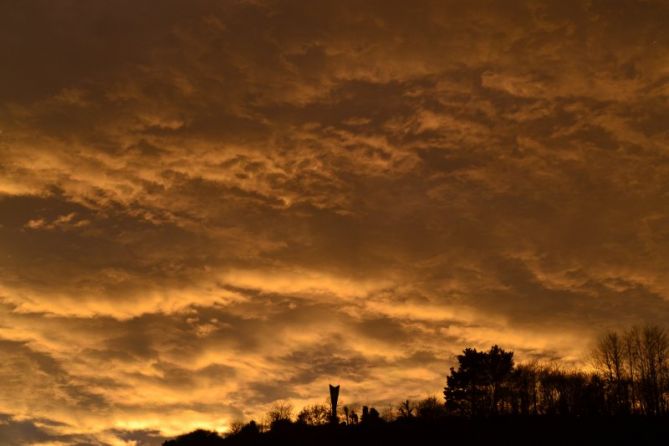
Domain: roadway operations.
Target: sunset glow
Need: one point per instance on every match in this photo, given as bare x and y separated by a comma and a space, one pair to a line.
208, 206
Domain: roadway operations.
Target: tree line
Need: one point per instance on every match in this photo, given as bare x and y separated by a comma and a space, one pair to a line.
629, 377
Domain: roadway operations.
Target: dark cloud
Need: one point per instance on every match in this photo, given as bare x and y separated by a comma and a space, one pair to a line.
16, 433
41, 374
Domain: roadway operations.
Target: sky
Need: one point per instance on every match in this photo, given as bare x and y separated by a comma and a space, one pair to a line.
207, 207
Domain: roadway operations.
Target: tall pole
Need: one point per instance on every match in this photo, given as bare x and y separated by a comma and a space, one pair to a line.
334, 396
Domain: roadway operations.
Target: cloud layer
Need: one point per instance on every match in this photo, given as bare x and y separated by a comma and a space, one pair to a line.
212, 206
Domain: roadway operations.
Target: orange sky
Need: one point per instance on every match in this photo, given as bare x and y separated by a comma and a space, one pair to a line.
210, 206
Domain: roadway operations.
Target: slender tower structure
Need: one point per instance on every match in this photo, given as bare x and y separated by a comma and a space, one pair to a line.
334, 396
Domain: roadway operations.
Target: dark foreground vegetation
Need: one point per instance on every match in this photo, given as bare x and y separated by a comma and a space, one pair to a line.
490, 400
454, 431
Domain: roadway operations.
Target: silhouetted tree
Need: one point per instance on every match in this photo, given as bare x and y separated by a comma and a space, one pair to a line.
388, 413
250, 429
609, 359
653, 368
236, 427
353, 417
279, 416
406, 409
370, 415
481, 381
634, 366
315, 415
430, 409
524, 389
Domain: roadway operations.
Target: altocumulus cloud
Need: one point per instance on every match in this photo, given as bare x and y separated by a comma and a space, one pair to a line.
206, 207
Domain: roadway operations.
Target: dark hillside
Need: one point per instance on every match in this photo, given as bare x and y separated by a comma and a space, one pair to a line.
455, 431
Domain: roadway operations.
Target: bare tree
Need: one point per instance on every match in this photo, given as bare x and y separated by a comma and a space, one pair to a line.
236, 427
609, 359
635, 365
406, 409
525, 389
280, 414
654, 355
315, 415
388, 413
430, 408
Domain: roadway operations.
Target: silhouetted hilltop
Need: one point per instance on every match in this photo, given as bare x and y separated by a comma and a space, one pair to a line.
454, 430
488, 399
